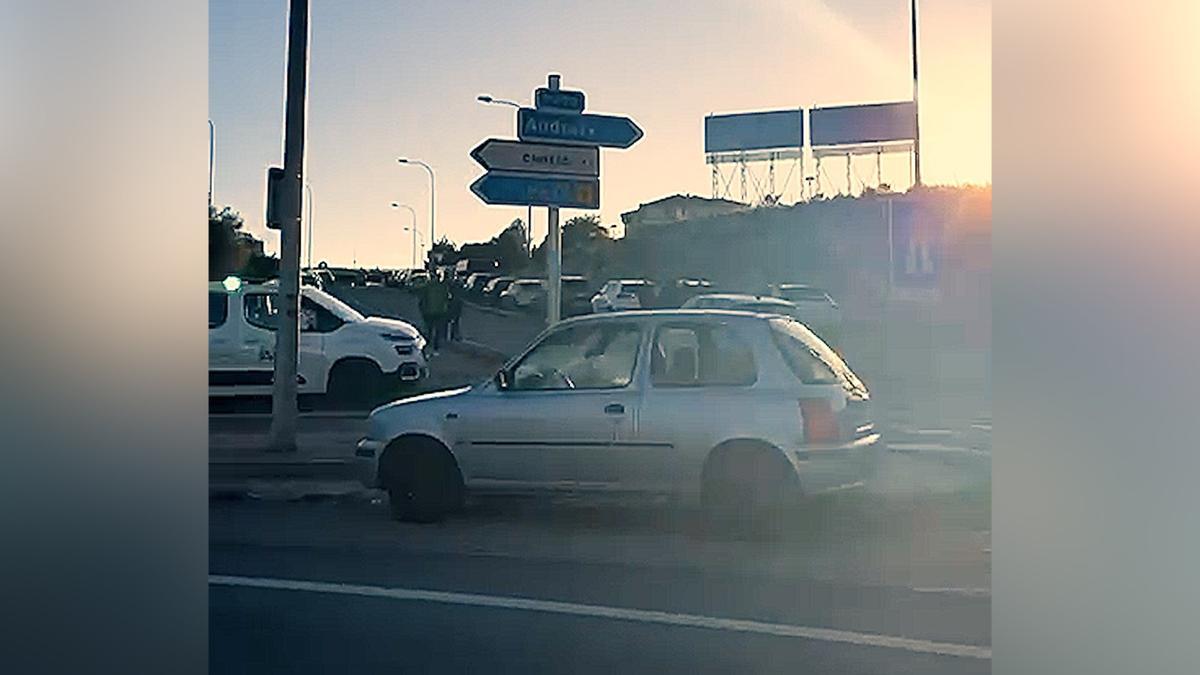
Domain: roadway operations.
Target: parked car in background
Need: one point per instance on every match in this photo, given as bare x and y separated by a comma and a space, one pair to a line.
350, 357
625, 294
817, 309
323, 276
742, 413
576, 296
344, 276
374, 278
311, 278
476, 282
493, 289
523, 294
417, 279
684, 289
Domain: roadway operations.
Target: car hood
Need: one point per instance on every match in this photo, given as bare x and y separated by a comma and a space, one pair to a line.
416, 414
392, 326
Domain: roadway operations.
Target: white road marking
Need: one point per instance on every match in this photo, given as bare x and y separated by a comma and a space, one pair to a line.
966, 591
937, 447
617, 613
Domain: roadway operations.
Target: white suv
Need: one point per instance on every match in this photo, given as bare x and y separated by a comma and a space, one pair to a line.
741, 411
343, 354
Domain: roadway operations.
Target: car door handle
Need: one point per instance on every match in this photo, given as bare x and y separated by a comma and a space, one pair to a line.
614, 409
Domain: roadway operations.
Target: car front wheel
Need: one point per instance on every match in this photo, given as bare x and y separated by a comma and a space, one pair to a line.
422, 481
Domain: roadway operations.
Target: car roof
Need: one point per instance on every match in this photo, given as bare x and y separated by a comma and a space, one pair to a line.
658, 315
742, 297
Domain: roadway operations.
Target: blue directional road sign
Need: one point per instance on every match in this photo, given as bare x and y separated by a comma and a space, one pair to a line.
916, 247
585, 129
515, 189
558, 99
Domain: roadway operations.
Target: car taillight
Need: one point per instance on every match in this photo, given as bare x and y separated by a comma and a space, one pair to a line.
820, 422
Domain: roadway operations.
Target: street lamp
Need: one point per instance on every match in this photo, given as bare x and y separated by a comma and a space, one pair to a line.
490, 100
398, 205
485, 98
432, 195
308, 188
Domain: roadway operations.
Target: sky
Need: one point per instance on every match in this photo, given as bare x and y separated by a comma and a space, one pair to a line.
399, 78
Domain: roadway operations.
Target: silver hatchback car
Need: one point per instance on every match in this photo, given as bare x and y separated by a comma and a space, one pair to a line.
741, 412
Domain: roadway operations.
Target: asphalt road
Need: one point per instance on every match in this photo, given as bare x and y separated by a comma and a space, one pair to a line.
545, 586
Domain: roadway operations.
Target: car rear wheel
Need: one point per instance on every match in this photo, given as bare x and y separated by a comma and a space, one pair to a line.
748, 490
422, 481
354, 383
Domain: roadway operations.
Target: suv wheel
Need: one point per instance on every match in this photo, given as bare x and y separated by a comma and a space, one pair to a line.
354, 383
423, 482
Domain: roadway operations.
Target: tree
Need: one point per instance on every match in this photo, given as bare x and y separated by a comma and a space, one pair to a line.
233, 251
509, 247
444, 251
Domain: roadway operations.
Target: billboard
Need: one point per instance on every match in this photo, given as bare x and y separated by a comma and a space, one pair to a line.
861, 124
754, 131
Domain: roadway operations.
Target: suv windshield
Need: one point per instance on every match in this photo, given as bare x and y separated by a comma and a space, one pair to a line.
340, 309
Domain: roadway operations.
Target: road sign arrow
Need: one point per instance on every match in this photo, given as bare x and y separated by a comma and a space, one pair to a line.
497, 154
515, 189
586, 129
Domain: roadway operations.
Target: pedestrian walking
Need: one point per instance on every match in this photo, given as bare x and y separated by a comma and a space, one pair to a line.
435, 304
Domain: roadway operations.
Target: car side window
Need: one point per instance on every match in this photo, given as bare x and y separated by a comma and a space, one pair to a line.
218, 309
588, 356
316, 319
701, 355
261, 310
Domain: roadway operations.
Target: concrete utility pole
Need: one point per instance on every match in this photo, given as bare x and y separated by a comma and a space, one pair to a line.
287, 333
554, 241
916, 107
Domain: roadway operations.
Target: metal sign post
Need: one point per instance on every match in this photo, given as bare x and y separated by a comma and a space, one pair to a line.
287, 333
553, 234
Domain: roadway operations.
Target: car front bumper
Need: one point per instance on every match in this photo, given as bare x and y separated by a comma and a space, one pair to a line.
366, 459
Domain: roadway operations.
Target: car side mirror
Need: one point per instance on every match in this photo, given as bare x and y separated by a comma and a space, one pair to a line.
501, 379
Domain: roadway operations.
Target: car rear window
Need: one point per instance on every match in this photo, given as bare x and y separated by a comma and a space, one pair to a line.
810, 359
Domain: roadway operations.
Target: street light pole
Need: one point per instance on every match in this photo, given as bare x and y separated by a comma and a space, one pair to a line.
398, 205
308, 188
212, 155
432, 198
489, 99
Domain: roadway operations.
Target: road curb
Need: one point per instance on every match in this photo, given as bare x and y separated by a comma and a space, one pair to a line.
493, 310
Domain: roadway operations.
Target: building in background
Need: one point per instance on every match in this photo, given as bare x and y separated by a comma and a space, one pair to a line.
678, 208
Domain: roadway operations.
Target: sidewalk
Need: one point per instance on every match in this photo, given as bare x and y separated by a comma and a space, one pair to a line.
241, 463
